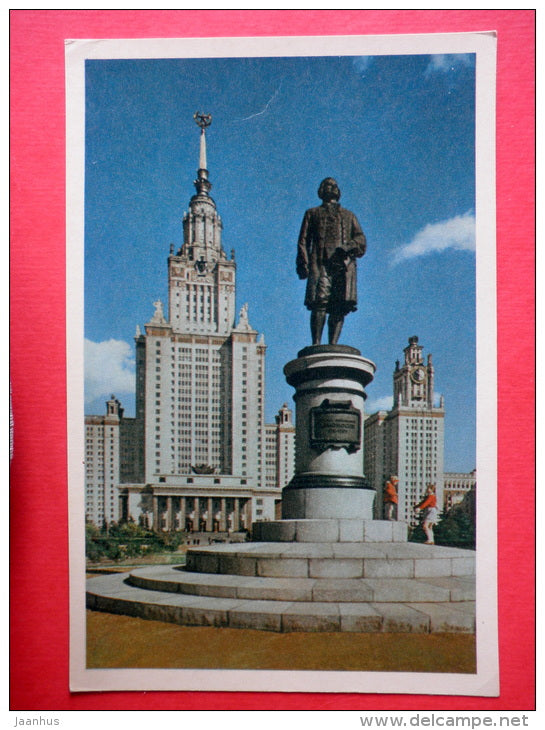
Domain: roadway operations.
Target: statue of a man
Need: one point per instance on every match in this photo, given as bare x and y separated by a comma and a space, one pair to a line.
330, 241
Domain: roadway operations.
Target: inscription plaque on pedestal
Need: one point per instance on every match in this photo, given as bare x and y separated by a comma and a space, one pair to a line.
335, 425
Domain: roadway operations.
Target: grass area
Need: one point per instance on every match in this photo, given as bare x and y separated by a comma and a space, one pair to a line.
126, 642
176, 558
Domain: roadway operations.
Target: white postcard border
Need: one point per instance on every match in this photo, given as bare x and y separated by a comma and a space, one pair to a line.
485, 682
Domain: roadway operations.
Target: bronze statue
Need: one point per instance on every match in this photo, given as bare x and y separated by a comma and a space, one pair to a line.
330, 241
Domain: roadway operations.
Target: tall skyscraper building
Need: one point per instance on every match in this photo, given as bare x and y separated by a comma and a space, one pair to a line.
199, 431
102, 464
280, 449
199, 379
407, 441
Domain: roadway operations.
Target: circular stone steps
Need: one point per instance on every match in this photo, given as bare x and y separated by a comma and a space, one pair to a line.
332, 560
114, 594
330, 530
340, 590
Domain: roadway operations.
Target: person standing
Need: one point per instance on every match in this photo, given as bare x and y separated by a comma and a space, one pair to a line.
428, 507
390, 498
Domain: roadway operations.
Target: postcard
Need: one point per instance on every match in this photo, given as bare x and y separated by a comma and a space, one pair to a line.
281, 364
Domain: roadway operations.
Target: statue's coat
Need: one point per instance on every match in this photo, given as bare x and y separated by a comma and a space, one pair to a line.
326, 229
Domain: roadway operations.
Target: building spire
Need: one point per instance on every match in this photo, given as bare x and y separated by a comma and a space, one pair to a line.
202, 184
202, 151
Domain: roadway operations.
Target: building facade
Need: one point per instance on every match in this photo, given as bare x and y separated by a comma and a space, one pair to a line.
102, 464
280, 449
194, 457
457, 485
407, 441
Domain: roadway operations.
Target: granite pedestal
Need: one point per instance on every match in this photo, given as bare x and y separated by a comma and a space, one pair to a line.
329, 481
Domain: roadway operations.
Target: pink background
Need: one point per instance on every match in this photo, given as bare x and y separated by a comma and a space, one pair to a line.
38, 505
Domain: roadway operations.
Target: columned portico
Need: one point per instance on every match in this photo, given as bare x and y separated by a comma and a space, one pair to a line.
236, 515
197, 504
170, 515
155, 523
183, 513
209, 515
197, 514
223, 515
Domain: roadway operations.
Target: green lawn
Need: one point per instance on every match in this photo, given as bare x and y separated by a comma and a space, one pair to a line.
123, 641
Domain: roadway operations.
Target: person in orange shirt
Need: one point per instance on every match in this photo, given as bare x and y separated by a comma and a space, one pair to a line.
390, 498
428, 506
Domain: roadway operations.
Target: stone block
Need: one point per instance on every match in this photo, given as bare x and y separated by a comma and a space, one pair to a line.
342, 590
237, 565
260, 615
445, 618
202, 562
256, 531
400, 531
336, 568
338, 502
317, 530
277, 531
216, 590
463, 566
358, 550
400, 590
157, 612
460, 588
293, 504
399, 618
432, 567
308, 550
377, 531
406, 550
384, 568
263, 549
311, 617
350, 530
208, 611
199, 616
284, 568
274, 589
151, 583
360, 617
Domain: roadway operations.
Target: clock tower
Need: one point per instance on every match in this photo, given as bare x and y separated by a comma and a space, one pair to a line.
408, 440
413, 382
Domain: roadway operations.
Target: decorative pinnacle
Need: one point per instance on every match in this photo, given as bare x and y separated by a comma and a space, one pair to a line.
202, 183
202, 120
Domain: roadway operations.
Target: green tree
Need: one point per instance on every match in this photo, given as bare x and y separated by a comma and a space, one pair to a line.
456, 529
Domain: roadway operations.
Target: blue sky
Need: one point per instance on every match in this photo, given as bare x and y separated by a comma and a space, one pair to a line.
397, 132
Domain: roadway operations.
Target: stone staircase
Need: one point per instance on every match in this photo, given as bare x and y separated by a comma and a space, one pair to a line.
305, 575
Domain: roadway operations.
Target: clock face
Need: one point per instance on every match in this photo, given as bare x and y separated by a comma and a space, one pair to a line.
418, 375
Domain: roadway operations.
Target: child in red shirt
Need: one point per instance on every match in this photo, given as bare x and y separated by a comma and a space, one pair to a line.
429, 503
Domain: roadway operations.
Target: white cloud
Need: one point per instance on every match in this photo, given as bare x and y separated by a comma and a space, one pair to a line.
456, 233
443, 62
384, 403
109, 368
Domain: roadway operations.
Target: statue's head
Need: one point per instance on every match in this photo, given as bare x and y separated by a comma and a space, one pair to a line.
329, 190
